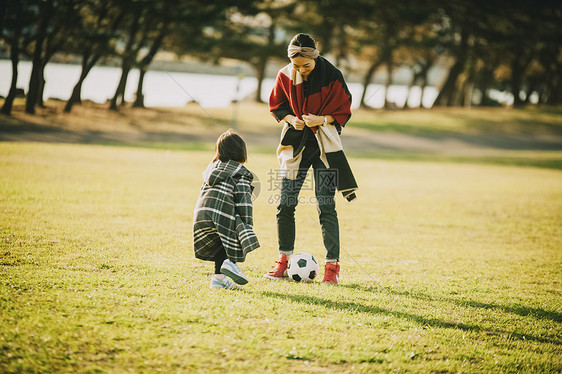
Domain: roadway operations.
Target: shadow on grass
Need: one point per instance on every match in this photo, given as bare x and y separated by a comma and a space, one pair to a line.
480, 160
348, 306
522, 139
518, 125
31, 132
520, 310
22, 129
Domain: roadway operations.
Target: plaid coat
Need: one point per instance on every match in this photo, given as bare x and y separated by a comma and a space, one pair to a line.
223, 213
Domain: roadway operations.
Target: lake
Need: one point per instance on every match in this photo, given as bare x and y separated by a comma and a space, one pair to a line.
175, 89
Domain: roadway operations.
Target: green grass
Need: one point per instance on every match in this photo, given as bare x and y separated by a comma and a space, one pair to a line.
446, 267
461, 121
519, 137
539, 159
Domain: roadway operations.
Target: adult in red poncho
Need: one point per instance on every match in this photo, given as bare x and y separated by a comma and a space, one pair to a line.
311, 98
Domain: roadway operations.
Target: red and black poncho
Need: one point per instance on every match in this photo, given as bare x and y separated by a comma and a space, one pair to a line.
325, 93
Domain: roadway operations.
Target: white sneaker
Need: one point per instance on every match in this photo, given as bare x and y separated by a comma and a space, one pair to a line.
223, 282
233, 271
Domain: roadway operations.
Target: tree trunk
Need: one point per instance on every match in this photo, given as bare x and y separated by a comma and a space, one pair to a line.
326, 34
516, 86
119, 97
542, 94
143, 66
262, 64
14, 56
423, 85
367, 81
387, 85
518, 68
468, 93
41, 90
127, 62
419, 77
410, 85
484, 86
76, 97
533, 85
139, 100
343, 47
555, 92
446, 96
260, 70
89, 61
34, 80
468, 84
388, 61
458, 94
424, 78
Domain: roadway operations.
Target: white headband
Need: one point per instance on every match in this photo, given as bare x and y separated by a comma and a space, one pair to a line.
306, 52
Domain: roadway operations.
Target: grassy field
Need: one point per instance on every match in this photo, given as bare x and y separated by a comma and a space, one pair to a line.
446, 267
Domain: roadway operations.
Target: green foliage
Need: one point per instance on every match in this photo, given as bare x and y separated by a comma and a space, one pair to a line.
506, 45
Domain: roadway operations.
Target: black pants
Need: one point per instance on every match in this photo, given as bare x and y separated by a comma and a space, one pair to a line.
324, 188
219, 259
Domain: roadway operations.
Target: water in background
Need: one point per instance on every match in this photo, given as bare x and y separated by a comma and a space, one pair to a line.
173, 89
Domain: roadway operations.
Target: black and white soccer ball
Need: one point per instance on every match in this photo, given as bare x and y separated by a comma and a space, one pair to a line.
302, 267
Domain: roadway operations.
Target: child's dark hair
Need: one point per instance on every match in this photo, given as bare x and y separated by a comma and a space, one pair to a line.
230, 146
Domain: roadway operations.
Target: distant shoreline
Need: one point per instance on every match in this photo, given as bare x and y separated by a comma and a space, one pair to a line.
234, 68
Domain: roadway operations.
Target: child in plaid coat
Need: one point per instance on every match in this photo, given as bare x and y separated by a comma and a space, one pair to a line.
222, 222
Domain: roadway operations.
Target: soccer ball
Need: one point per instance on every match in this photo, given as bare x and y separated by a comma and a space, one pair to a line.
302, 267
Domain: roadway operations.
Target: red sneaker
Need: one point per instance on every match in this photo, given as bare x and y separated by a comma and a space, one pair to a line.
331, 273
279, 272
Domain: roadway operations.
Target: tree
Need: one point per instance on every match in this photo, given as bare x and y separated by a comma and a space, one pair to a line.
490, 55
383, 28
249, 34
145, 62
3, 15
420, 54
14, 31
146, 28
485, 37
94, 39
548, 59
56, 20
533, 35
46, 12
333, 22
549, 85
134, 39
166, 14
456, 38
523, 49
371, 32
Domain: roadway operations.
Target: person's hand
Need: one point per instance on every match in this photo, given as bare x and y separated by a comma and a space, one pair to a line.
297, 123
312, 120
